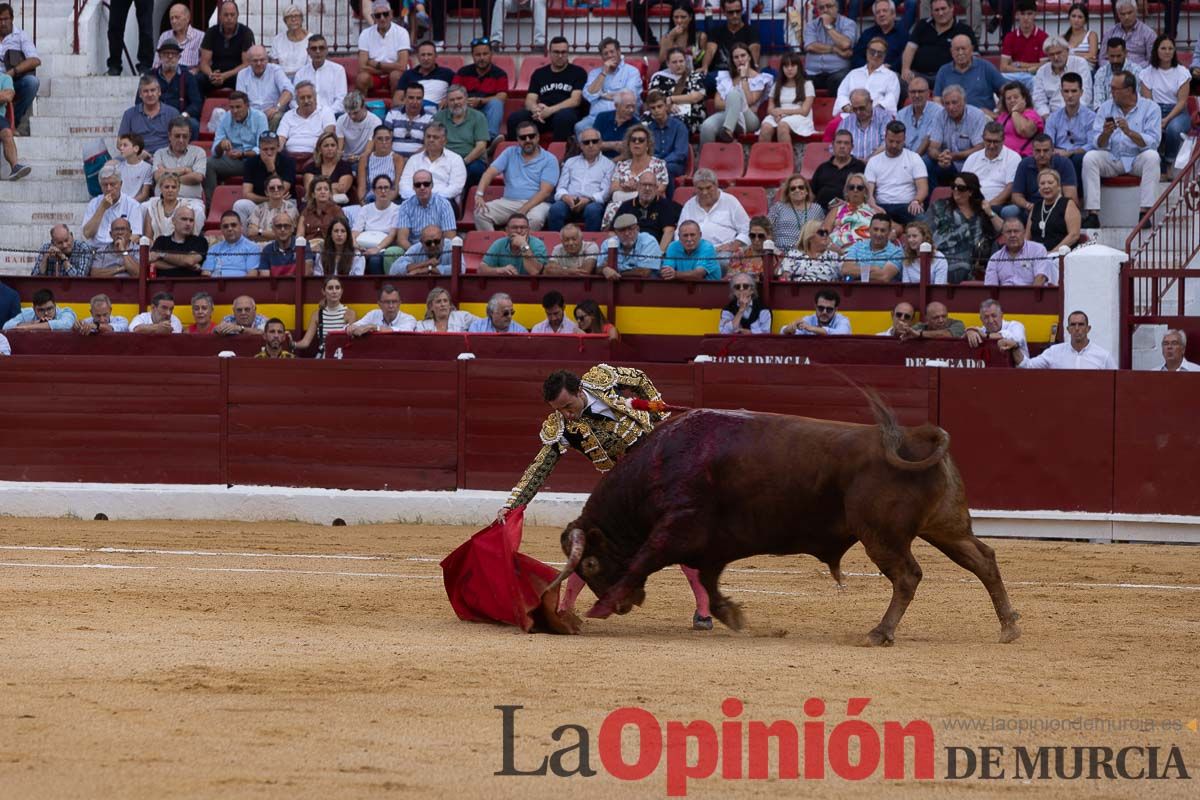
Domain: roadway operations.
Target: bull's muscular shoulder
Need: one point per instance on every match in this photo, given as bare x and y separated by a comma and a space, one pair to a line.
552, 430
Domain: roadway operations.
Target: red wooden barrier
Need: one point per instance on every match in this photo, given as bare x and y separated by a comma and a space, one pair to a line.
1157, 443
447, 346
882, 350
1031, 439
138, 420
125, 344
343, 425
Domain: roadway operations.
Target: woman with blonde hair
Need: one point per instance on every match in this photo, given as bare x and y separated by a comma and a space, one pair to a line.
849, 220
1054, 221
638, 160
158, 212
813, 260
441, 316
327, 162
917, 233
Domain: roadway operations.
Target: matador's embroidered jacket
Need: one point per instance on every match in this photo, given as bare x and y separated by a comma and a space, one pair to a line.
604, 441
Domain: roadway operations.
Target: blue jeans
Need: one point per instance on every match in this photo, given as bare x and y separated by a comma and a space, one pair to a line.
475, 170
494, 111
559, 215
1173, 134
26, 88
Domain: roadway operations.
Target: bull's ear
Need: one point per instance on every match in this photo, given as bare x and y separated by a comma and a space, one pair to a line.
590, 566
596, 540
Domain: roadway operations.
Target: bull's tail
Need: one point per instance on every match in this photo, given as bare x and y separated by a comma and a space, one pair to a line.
893, 437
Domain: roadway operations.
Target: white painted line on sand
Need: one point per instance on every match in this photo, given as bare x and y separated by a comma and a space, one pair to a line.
31, 565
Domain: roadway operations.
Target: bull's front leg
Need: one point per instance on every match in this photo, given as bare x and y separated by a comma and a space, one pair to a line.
724, 609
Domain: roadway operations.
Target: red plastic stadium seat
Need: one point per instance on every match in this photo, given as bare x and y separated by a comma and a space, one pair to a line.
940, 193
528, 65
451, 62
467, 221
210, 105
223, 199
558, 150
350, 64
1121, 180
475, 244
683, 194
752, 198
549, 238
727, 160
587, 63
822, 113
769, 165
815, 154
508, 64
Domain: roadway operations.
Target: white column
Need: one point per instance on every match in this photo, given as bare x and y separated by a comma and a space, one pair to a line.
1091, 281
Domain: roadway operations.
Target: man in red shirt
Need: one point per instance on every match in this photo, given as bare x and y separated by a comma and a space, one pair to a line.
1021, 52
486, 85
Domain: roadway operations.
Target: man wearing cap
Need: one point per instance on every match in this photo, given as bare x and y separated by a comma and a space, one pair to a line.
179, 87
382, 52
236, 142
638, 255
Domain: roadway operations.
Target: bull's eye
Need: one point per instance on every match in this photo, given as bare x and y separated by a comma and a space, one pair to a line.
590, 566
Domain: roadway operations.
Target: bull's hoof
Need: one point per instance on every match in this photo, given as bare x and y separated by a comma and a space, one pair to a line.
1009, 633
878, 638
700, 623
731, 615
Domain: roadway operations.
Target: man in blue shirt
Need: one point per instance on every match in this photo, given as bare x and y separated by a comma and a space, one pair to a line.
499, 317
886, 28
638, 255
826, 322
877, 253
981, 81
922, 119
422, 209
1025, 183
530, 175
1070, 128
606, 80
234, 256
612, 125
45, 315
10, 303
691, 258
1125, 137
235, 142
430, 255
670, 137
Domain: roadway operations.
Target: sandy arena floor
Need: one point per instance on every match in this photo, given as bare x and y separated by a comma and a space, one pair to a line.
217, 661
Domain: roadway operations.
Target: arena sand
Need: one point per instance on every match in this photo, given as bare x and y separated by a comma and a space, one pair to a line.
242, 671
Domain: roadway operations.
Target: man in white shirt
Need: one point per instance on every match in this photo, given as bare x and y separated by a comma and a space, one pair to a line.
556, 320
584, 186
995, 166
1174, 346
329, 77
875, 76
897, 180
159, 319
1047, 96
1078, 353
303, 125
995, 326
266, 84
111, 204
382, 52
388, 317
447, 167
721, 218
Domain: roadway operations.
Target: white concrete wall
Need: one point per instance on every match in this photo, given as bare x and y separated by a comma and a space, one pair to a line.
1092, 285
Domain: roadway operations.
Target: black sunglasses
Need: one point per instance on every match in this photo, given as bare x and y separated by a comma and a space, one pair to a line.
589, 141
856, 187
528, 137
822, 232
960, 187
422, 184
638, 139
827, 309
381, 15
903, 315
432, 242
743, 286
758, 236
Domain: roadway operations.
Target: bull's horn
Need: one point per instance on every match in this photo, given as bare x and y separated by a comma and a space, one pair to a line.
573, 558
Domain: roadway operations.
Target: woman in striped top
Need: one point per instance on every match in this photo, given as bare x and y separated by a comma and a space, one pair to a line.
330, 315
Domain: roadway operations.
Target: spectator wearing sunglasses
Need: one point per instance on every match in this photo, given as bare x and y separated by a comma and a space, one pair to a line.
744, 313
499, 317
424, 208
902, 320
328, 76
866, 122
486, 85
530, 177
825, 322
382, 52
583, 186
430, 255
812, 260
234, 256
875, 76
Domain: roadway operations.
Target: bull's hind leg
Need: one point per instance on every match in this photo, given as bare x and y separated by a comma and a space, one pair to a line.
897, 563
969, 552
724, 609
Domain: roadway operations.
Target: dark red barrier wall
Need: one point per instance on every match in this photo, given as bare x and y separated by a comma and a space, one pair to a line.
1031, 439
343, 424
1157, 443
136, 420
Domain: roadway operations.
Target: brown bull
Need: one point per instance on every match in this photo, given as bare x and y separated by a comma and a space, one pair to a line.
710, 487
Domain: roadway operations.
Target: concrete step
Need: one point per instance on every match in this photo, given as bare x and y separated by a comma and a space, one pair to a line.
39, 188
63, 65
77, 127
66, 150
68, 107
92, 87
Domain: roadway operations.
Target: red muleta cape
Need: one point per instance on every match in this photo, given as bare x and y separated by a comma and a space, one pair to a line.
489, 580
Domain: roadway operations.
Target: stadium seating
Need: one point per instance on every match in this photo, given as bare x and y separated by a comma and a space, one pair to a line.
223, 199
769, 165
475, 244
528, 65
815, 154
467, 221
752, 198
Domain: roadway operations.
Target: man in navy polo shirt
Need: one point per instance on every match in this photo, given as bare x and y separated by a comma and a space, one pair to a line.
979, 79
